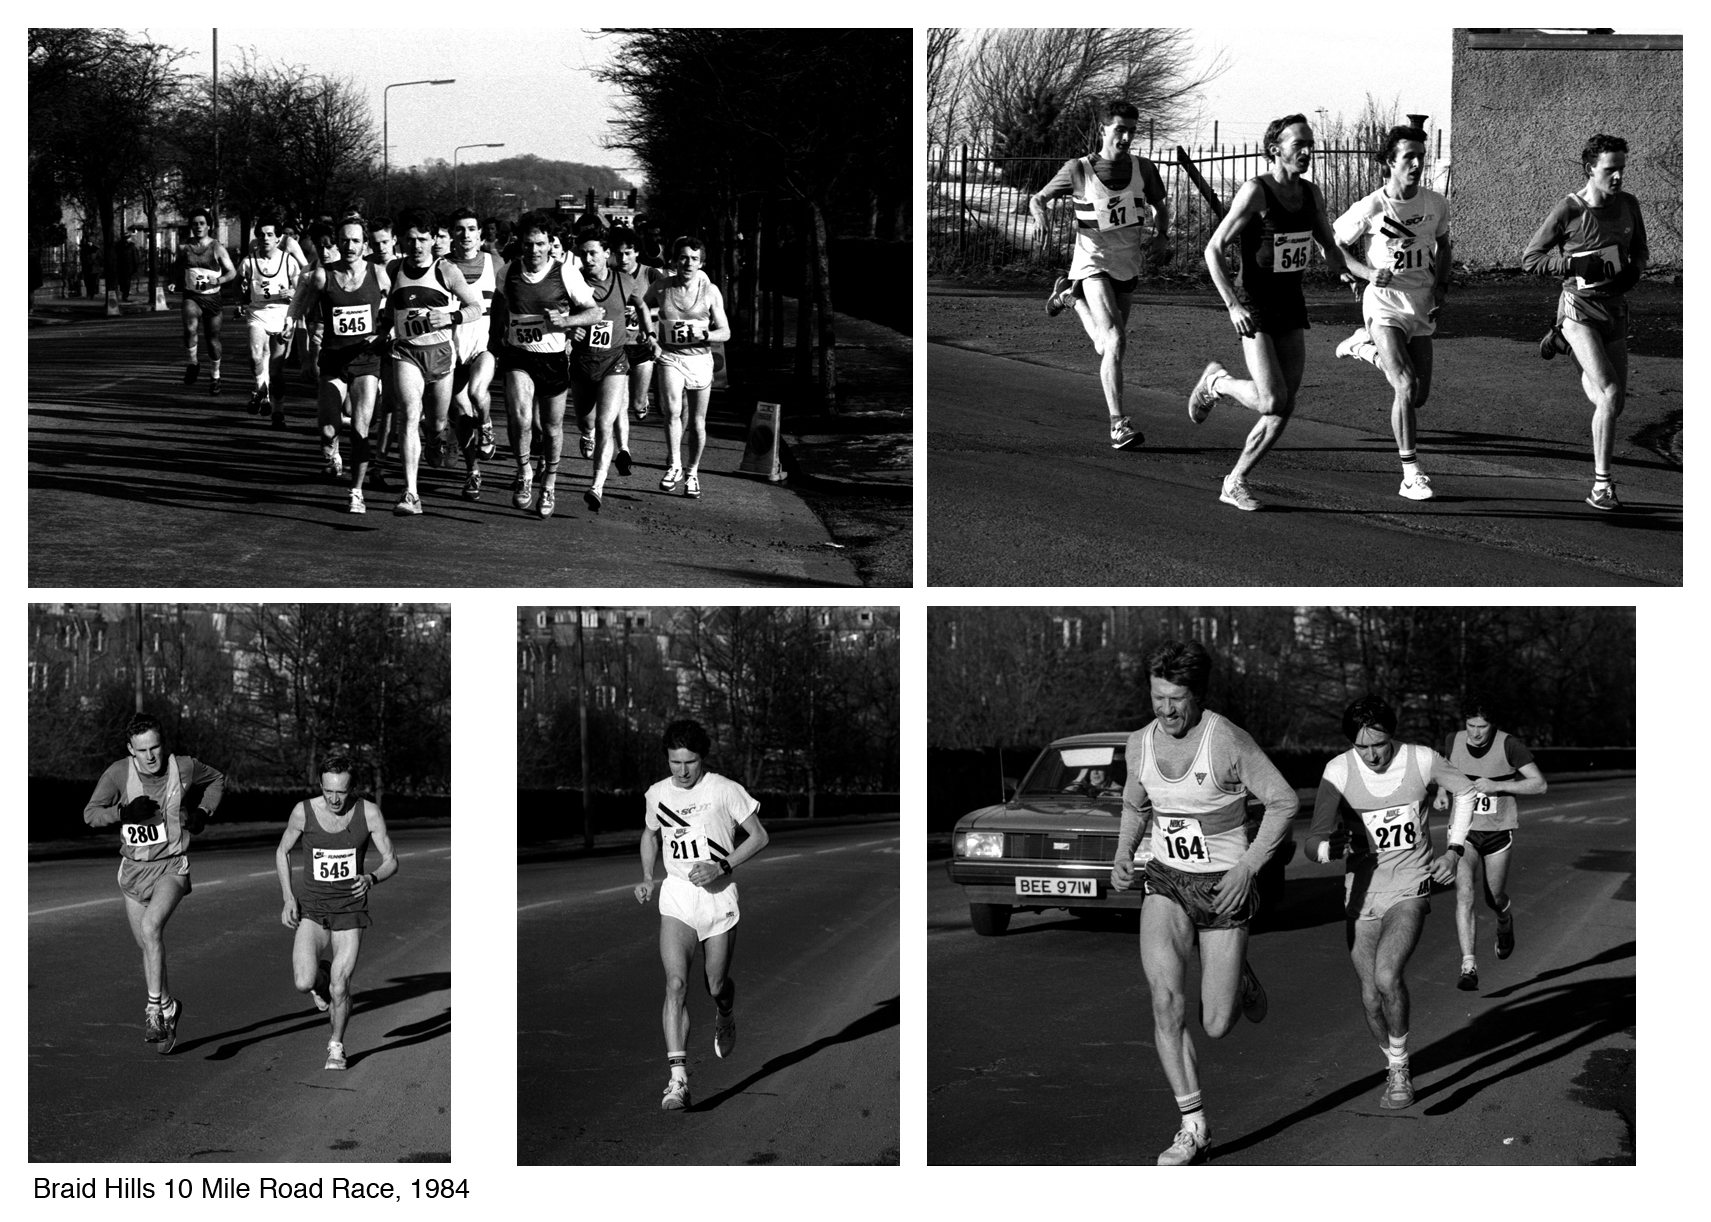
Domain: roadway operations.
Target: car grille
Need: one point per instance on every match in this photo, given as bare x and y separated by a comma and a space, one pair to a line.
1038, 846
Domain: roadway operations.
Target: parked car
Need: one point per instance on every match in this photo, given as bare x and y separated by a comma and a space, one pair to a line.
1050, 845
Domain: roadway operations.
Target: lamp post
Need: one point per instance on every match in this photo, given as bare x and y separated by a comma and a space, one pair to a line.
460, 149
386, 133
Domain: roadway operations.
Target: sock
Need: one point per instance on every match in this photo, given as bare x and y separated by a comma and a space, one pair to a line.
679, 1065
1192, 1114
1600, 479
1396, 1053
155, 1000
1503, 913
1213, 384
723, 1002
216, 369
1410, 468
1469, 963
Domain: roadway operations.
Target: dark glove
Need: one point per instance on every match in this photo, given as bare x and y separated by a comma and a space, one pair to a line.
195, 820
142, 809
1589, 268
1625, 279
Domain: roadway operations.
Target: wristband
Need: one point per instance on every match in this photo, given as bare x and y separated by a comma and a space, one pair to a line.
724, 866
373, 880
1458, 850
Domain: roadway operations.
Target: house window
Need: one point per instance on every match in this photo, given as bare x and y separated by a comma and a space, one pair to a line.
540, 619
1067, 629
864, 617
552, 663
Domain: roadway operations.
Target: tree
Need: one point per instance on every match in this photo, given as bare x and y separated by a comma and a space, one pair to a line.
946, 72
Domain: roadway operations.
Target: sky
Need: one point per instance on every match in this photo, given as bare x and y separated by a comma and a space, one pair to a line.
545, 102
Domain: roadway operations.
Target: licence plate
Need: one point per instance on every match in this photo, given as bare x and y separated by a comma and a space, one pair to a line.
1057, 886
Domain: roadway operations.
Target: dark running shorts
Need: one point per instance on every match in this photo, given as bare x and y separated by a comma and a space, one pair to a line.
1491, 844
586, 375
638, 354
1122, 286
547, 370
1193, 893
1608, 316
348, 363
434, 360
338, 920
1277, 313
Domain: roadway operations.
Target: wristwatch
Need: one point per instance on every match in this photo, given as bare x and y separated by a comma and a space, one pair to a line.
724, 866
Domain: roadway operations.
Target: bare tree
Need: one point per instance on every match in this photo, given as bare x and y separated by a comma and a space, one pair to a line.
946, 72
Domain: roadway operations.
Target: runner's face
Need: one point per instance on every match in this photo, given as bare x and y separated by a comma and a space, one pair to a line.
1118, 135
592, 256
1607, 174
351, 243
383, 242
537, 246
418, 247
687, 261
1478, 731
557, 248
336, 789
686, 767
1407, 163
1295, 148
467, 235
630, 259
442, 243
198, 227
1177, 708
145, 748
1375, 748
268, 236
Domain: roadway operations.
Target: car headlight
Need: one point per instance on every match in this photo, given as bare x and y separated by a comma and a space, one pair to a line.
981, 844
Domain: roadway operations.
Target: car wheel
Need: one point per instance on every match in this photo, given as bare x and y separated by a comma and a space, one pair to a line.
990, 920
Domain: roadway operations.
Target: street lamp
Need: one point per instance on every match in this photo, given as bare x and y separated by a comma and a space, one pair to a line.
386, 133
460, 149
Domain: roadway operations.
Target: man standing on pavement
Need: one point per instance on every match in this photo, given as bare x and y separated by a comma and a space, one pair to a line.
159, 801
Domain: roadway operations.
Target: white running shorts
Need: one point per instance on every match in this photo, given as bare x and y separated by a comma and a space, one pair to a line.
1399, 308
708, 913
696, 368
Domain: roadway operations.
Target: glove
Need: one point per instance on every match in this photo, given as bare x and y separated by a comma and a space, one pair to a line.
1589, 268
142, 809
1625, 279
195, 820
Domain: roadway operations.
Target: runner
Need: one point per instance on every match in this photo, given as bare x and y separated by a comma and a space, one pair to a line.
1110, 193
538, 301
692, 817
641, 356
1374, 796
348, 294
1596, 241
1502, 769
1190, 771
382, 249
159, 801
203, 266
332, 911
599, 368
1277, 217
472, 405
442, 241
1398, 240
691, 315
266, 281
419, 361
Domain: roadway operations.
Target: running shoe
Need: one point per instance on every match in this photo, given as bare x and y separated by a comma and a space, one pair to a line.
485, 443
335, 463
1201, 398
191, 372
1124, 436
1189, 1147
587, 446
408, 504
1604, 498
1469, 982
1506, 936
1058, 300
258, 399
214, 385
169, 1015
1254, 1003
621, 460
642, 410
335, 1055
1348, 346
434, 453
1236, 493
1553, 343
676, 1095
591, 498
377, 478
692, 485
725, 1022
1398, 1088
151, 1025
547, 503
321, 994
278, 420
472, 485
1417, 489
670, 479
523, 489
357, 504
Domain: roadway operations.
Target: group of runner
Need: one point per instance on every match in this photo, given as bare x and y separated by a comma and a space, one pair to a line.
1396, 240
159, 801
412, 320
1184, 814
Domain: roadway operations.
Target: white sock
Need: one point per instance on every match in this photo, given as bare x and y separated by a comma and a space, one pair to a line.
1410, 470
1397, 1051
1469, 963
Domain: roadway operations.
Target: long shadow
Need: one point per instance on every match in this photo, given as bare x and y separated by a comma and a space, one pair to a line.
400, 989
1614, 955
883, 1017
434, 1028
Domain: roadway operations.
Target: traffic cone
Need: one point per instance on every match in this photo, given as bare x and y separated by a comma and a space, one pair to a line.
112, 304
760, 457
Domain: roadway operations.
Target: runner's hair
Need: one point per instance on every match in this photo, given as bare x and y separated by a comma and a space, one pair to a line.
336, 762
199, 212
1394, 137
379, 223
1274, 132
1477, 704
1368, 711
140, 723
419, 219
1182, 662
464, 213
687, 243
689, 736
266, 219
1117, 108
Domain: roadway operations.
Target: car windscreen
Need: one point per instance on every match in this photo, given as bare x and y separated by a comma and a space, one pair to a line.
1085, 773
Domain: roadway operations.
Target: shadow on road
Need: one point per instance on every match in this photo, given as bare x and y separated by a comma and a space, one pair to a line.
883, 1018
411, 1033
368, 1001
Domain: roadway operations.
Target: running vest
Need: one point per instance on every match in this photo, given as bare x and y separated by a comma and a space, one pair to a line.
413, 294
1108, 222
483, 276
1277, 250
152, 841
268, 288
526, 304
199, 273
1402, 235
332, 860
684, 315
1492, 812
698, 824
1197, 823
1398, 845
644, 278
596, 342
351, 316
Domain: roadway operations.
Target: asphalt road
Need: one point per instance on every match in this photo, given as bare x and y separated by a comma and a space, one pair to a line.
814, 1076
1040, 1050
245, 1083
137, 480
1023, 491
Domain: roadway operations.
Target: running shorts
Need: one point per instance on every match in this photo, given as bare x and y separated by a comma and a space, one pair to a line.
547, 370
137, 878
638, 354
1122, 286
1361, 904
1277, 313
696, 368
267, 320
1408, 312
1607, 316
587, 375
348, 363
469, 342
336, 920
1491, 844
708, 913
1195, 895
434, 360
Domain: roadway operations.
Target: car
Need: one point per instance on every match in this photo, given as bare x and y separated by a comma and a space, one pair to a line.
1051, 843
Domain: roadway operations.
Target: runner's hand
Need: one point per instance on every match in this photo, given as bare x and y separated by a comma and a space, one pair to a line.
1484, 784
195, 821
1122, 874
1232, 890
289, 917
1384, 277
141, 809
1242, 321
1442, 801
704, 872
439, 320
360, 885
1353, 281
1444, 868
644, 890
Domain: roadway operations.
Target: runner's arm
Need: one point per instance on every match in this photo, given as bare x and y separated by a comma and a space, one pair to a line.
460, 288
650, 854
1322, 231
757, 840
643, 315
388, 859
1061, 184
228, 273
1543, 255
103, 806
1530, 785
308, 292
1243, 209
1446, 776
1327, 838
1254, 769
720, 329
282, 855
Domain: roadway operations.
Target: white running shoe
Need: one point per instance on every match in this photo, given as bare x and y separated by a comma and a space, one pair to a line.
1417, 489
1236, 493
1348, 346
1189, 1147
692, 484
1125, 435
676, 1095
357, 503
671, 479
335, 1055
1201, 398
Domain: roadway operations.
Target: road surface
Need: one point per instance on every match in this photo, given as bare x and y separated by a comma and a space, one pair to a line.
1040, 1046
245, 1083
814, 1076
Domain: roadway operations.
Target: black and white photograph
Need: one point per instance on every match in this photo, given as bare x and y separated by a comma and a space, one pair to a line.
1298, 313
268, 977
1379, 863
709, 843
603, 308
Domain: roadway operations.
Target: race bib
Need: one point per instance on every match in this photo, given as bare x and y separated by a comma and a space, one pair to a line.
332, 865
1178, 841
1611, 257
523, 330
143, 835
1121, 211
1392, 830
632, 324
685, 330
413, 324
352, 320
600, 335
686, 847
201, 279
1290, 252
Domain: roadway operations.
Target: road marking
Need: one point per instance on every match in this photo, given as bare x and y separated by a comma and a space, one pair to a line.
112, 899
866, 844
587, 895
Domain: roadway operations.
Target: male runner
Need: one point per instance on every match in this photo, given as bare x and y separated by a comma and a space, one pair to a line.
419, 363
348, 294
159, 801
691, 319
382, 249
1374, 796
640, 355
1404, 230
332, 911
1107, 193
1277, 217
692, 817
472, 405
1502, 769
1190, 772
442, 241
1596, 241
537, 303
203, 267
599, 366
266, 281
